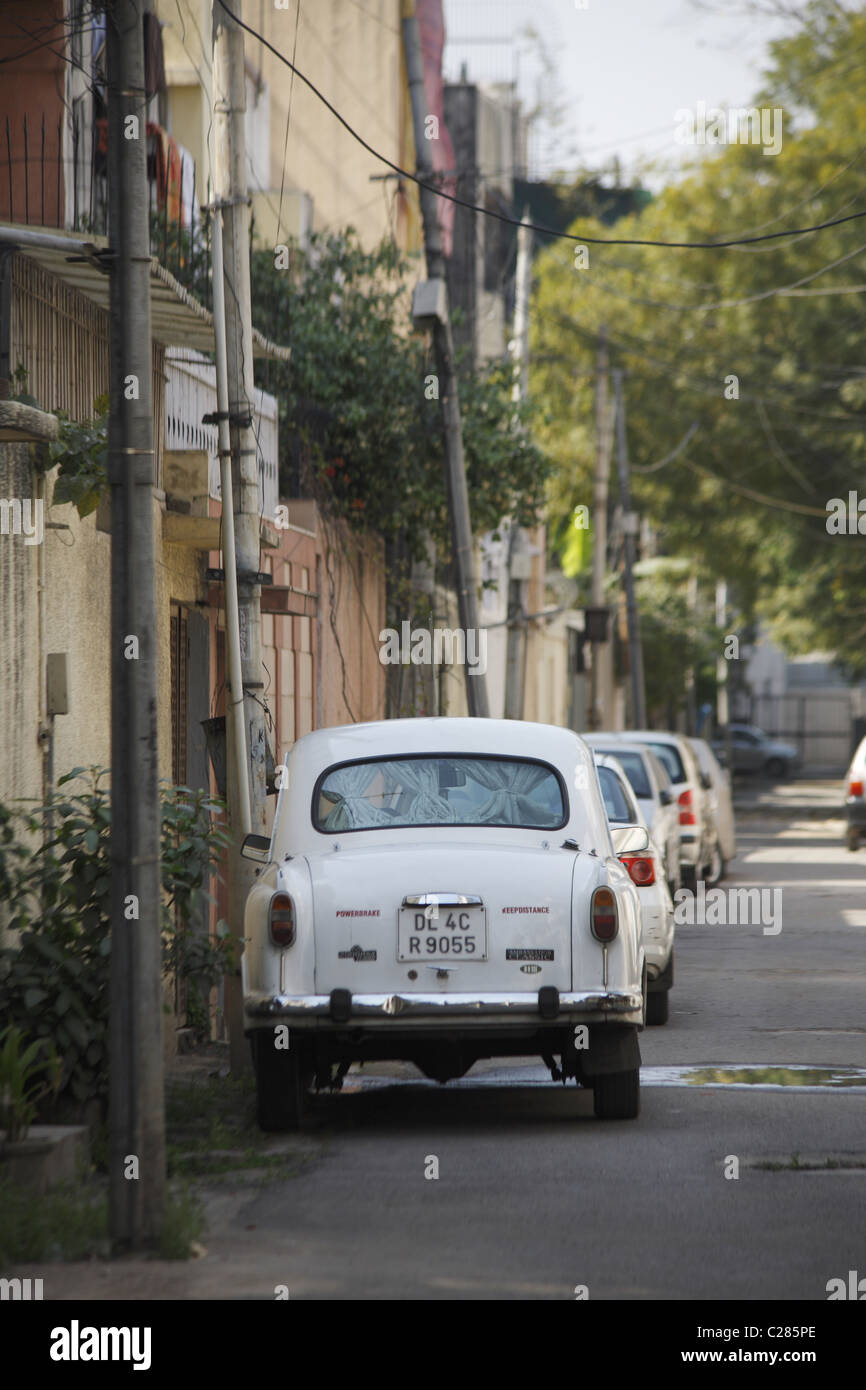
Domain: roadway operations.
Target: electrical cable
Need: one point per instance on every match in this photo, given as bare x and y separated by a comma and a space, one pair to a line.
719, 244
288, 121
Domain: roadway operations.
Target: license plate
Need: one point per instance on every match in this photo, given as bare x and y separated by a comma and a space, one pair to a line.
451, 934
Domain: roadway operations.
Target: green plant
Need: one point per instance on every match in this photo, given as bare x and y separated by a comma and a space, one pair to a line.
183, 1223
19, 1095
360, 416
57, 889
69, 1221
81, 449
21, 383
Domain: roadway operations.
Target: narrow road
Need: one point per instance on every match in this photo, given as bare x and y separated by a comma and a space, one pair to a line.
758, 1072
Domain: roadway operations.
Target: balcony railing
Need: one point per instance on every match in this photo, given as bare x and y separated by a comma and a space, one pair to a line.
41, 185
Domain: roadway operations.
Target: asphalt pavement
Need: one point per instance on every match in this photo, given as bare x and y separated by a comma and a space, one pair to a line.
744, 1176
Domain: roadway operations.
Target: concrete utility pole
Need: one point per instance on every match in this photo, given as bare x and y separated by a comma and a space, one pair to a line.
723, 716
599, 522
230, 194
629, 530
517, 556
455, 469
136, 1111
691, 697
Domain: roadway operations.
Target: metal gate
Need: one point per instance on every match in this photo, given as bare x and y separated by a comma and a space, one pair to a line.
819, 723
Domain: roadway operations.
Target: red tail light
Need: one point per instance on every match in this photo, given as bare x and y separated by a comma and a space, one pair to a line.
687, 815
641, 867
855, 788
281, 920
603, 915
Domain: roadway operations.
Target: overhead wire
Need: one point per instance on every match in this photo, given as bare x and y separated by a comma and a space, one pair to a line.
717, 244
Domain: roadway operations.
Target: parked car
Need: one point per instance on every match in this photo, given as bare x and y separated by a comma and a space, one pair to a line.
717, 789
754, 751
439, 891
653, 792
648, 873
675, 752
855, 801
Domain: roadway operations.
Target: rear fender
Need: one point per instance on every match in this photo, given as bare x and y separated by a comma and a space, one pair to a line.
265, 968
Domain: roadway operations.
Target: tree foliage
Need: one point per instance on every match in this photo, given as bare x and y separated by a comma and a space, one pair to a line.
360, 423
753, 355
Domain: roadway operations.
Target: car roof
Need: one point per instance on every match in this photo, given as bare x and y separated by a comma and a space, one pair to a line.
509, 737
595, 740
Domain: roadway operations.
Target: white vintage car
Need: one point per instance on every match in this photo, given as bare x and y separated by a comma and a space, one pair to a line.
438, 891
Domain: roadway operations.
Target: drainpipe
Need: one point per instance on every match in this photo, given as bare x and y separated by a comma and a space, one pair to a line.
235, 726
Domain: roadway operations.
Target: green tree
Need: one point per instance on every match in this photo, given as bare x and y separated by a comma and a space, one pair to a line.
751, 355
359, 406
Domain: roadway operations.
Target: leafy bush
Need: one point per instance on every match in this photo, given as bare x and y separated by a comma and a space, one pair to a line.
19, 1093
360, 421
81, 449
57, 889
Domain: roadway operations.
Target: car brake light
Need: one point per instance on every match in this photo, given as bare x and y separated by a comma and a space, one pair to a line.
603, 915
641, 868
281, 920
687, 815
855, 789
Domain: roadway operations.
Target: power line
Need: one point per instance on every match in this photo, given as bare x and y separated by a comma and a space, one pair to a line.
513, 221
288, 121
625, 341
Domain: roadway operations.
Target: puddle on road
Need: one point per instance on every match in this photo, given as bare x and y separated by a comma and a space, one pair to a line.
761, 1078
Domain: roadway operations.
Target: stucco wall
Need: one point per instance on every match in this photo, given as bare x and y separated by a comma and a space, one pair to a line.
354, 56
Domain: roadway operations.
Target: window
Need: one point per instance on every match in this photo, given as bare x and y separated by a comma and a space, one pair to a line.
616, 802
663, 777
426, 790
670, 758
633, 767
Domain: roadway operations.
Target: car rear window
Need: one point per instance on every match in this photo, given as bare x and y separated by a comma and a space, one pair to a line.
395, 793
634, 769
615, 800
662, 775
668, 755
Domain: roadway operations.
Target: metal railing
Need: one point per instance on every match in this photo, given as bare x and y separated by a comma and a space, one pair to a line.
57, 176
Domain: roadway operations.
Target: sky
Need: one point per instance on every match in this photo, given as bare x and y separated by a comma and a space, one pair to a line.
623, 68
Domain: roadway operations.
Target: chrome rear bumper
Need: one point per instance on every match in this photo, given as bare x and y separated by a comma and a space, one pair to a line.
315, 1010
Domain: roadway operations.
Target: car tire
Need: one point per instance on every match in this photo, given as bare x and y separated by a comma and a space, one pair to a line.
852, 839
715, 869
616, 1096
776, 767
689, 877
282, 1079
657, 1008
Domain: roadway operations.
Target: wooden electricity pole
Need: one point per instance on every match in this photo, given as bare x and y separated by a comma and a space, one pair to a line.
629, 522
136, 1114
599, 525
515, 648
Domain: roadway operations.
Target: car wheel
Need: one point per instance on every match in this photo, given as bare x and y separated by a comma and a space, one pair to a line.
689, 876
775, 767
715, 870
852, 839
281, 1084
657, 1008
616, 1096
